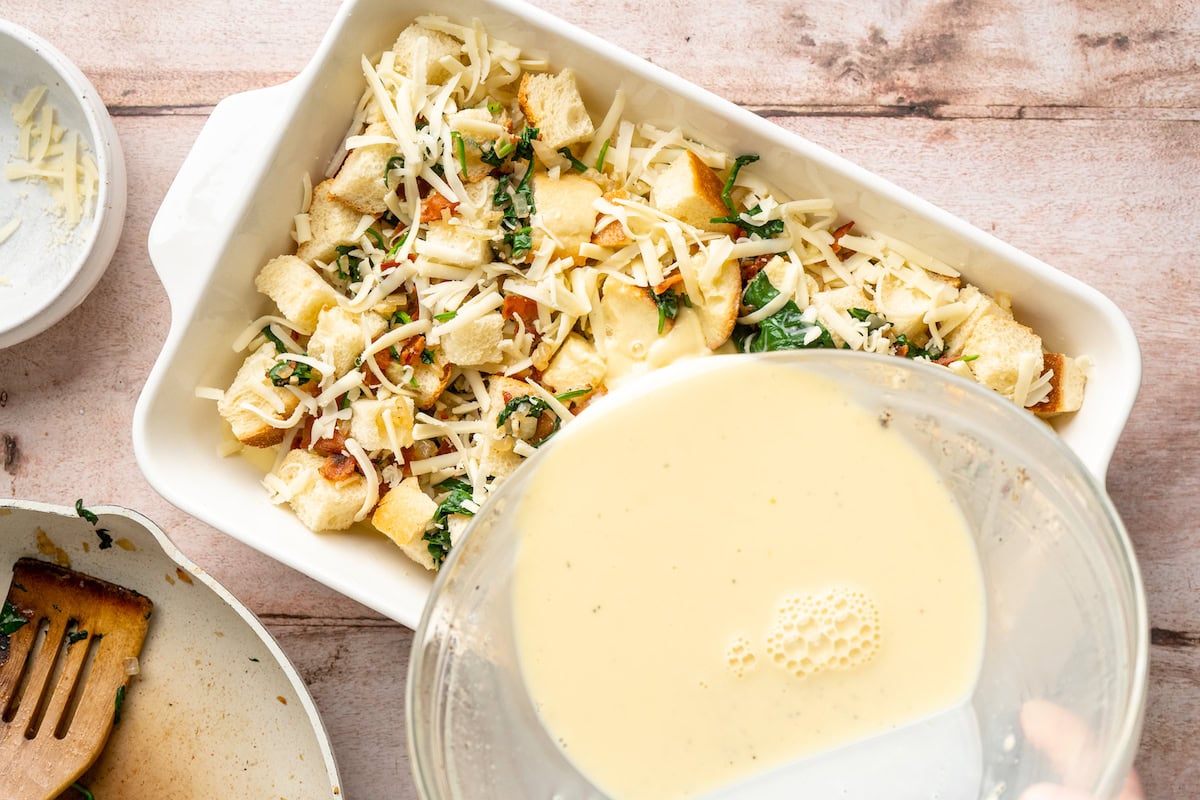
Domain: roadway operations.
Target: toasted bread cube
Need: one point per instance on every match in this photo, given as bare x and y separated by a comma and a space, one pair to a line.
613, 234
477, 342
359, 182
1000, 342
720, 298
252, 387
565, 210
369, 423
333, 223
437, 46
691, 192
298, 290
575, 366
1066, 386
630, 318
980, 305
342, 335
498, 459
321, 504
428, 380
449, 242
403, 515
551, 103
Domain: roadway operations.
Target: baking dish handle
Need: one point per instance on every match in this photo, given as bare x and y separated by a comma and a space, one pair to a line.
211, 190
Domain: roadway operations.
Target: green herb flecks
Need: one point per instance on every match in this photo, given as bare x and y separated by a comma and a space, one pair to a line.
83, 790
76, 636
117, 703
494, 107
525, 144
11, 620
738, 163
292, 373
426, 356
786, 329
84, 513
668, 307
571, 395
445, 316
518, 206
400, 317
460, 150
600, 158
106, 540
395, 248
566, 153
970, 358
460, 500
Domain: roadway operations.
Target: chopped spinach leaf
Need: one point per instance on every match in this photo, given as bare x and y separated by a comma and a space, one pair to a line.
291, 372
571, 395
117, 703
874, 321
10, 619
460, 500
600, 159
395, 162
426, 356
460, 150
398, 244
767, 230
566, 153
83, 790
83, 512
400, 317
525, 144
445, 316
738, 163
347, 265
668, 307
275, 340
106, 540
786, 329
530, 405
901, 342
378, 237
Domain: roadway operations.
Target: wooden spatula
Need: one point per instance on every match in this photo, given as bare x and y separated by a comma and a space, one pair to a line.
63, 674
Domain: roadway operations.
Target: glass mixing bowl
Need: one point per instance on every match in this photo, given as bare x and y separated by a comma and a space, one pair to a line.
1060, 694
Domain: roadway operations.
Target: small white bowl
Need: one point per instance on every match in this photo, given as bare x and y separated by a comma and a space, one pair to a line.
46, 269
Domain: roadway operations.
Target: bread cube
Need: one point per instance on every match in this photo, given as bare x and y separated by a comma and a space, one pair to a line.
576, 365
478, 208
551, 103
980, 305
448, 242
403, 515
297, 289
565, 209
1000, 342
475, 343
368, 425
360, 182
720, 298
630, 319
438, 45
341, 336
691, 192
428, 380
1066, 386
904, 306
333, 223
321, 504
252, 387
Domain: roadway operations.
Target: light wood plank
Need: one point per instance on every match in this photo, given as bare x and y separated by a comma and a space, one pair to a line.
922, 56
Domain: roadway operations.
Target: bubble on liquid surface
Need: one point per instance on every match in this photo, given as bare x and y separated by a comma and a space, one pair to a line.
740, 657
813, 633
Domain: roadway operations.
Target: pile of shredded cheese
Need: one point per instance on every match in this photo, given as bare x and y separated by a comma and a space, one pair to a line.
57, 156
406, 278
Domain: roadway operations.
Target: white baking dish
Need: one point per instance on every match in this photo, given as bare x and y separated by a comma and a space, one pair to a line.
230, 209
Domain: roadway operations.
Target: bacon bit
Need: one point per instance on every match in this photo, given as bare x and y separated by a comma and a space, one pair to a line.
383, 359
445, 446
902, 350
669, 283
947, 360
516, 305
752, 266
838, 234
410, 353
434, 205
338, 467
332, 445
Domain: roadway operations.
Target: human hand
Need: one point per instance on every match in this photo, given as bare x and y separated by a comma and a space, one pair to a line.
1063, 737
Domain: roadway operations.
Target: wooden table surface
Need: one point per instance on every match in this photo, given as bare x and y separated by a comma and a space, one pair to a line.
1070, 129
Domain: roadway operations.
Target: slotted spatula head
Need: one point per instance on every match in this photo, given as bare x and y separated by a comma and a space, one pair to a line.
62, 674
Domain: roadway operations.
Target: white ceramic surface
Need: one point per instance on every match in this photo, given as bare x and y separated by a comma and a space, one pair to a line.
46, 267
230, 209
217, 710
